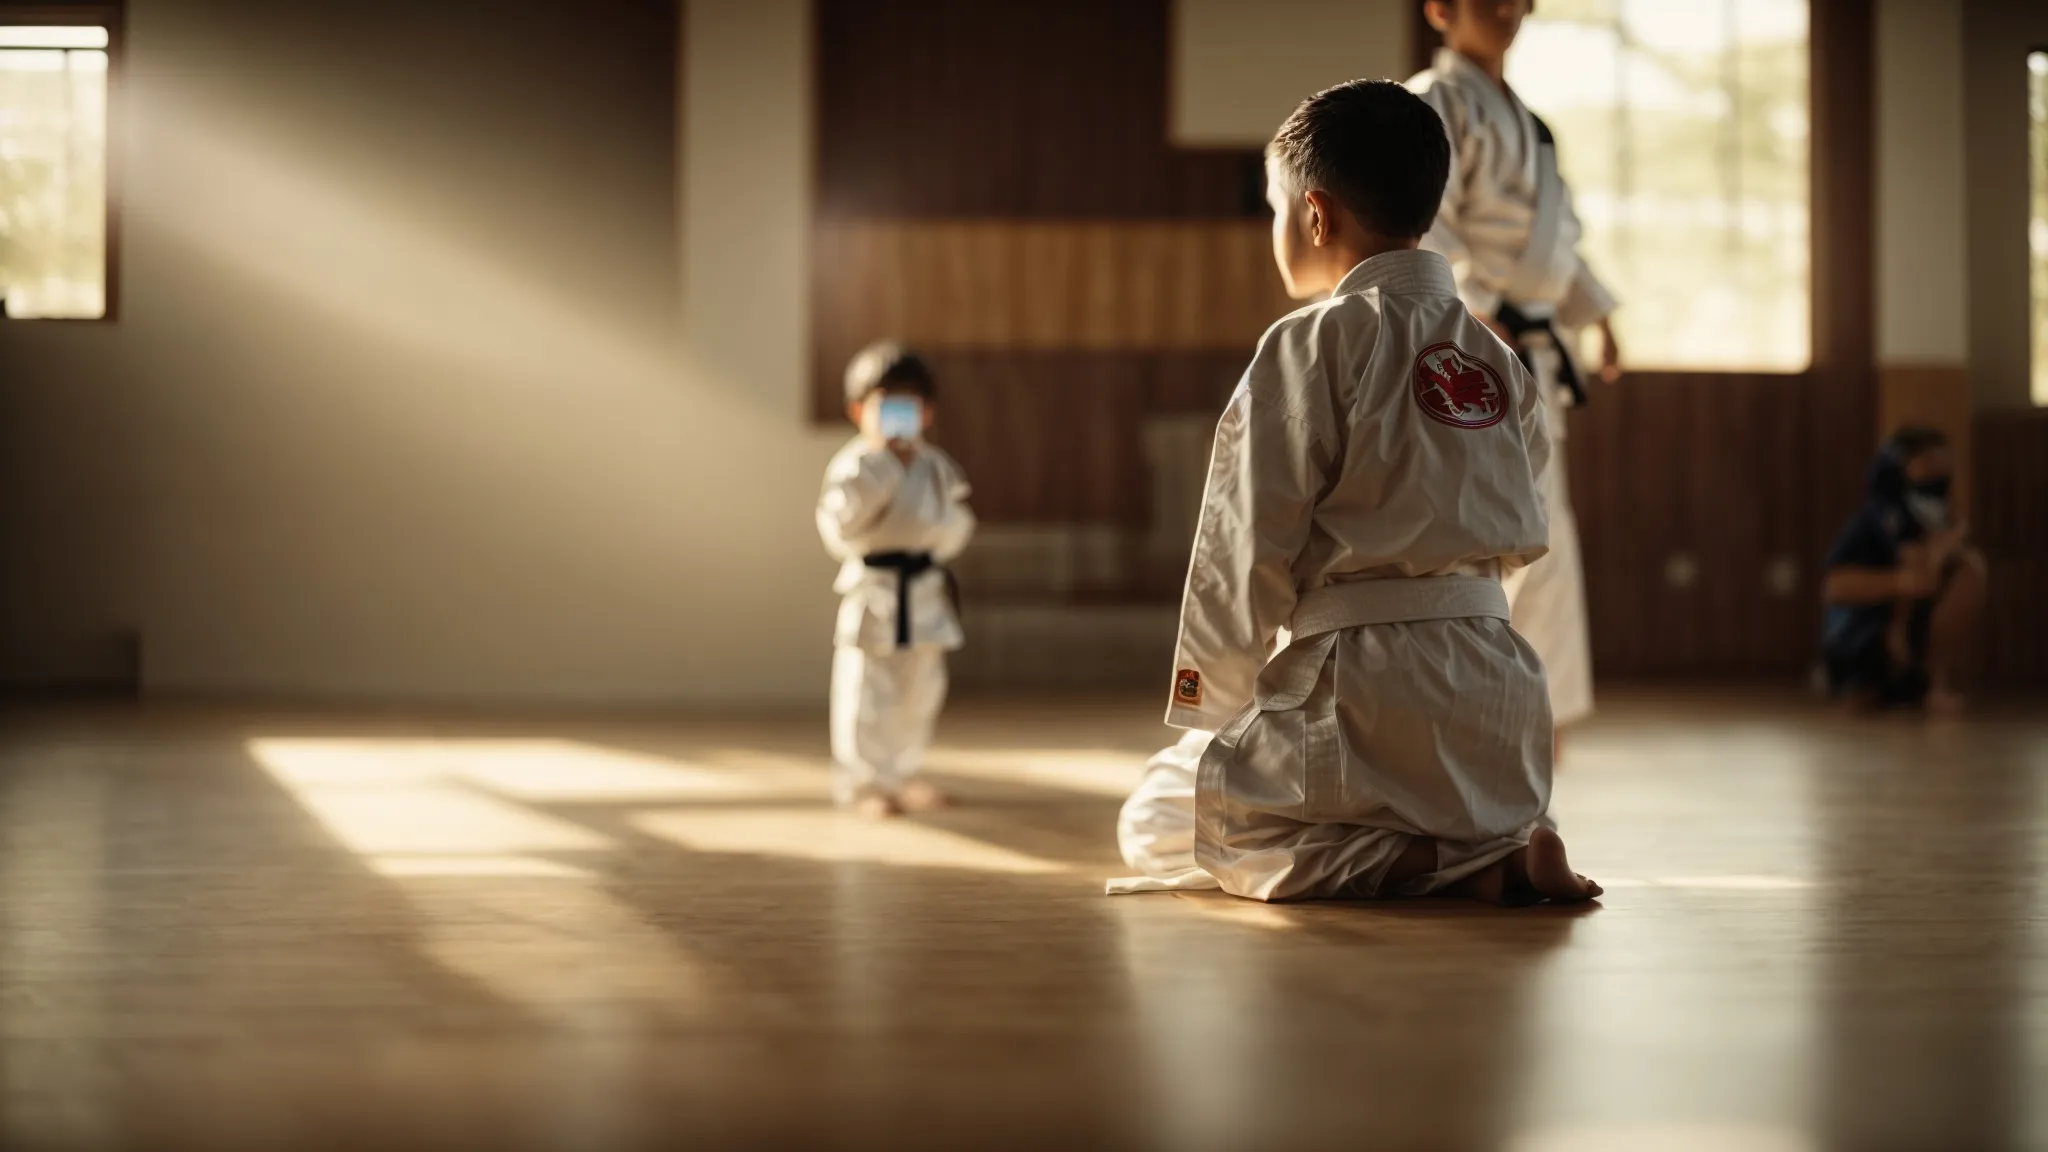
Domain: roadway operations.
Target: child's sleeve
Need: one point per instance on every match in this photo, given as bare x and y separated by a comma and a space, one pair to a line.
1533, 414
857, 493
1267, 467
1446, 235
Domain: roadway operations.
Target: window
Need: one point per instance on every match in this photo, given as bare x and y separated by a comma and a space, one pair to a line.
1682, 129
2037, 226
53, 170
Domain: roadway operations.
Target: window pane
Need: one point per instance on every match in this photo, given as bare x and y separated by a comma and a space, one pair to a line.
1682, 128
53, 178
52, 36
2037, 227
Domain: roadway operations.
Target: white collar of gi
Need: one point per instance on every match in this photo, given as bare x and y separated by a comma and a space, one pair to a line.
1461, 71
1405, 272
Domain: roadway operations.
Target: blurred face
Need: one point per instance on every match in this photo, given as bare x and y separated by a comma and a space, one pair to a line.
1929, 468
1481, 28
1300, 225
866, 414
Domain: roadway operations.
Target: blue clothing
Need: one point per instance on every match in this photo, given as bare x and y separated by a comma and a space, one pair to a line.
1853, 635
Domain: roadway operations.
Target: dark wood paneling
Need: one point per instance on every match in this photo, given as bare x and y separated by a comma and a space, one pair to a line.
2010, 522
1843, 397
1053, 108
1165, 287
1054, 437
1671, 469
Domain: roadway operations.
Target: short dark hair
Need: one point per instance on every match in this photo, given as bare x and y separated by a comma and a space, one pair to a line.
1914, 439
887, 364
1374, 146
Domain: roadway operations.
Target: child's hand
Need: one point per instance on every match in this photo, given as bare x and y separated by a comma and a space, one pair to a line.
1610, 354
1916, 578
1943, 545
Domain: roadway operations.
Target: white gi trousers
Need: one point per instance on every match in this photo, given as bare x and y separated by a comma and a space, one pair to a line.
884, 707
1548, 598
1155, 831
1360, 739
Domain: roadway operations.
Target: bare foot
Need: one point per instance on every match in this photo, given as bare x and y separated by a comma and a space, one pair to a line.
876, 806
1528, 876
922, 796
1548, 872
1942, 702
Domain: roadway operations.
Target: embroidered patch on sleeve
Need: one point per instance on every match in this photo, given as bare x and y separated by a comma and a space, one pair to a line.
1187, 688
1458, 389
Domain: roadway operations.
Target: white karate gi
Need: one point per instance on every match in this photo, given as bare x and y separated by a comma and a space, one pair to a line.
1155, 831
1373, 475
1508, 227
886, 696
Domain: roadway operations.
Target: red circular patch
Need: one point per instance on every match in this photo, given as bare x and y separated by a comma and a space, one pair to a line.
1459, 389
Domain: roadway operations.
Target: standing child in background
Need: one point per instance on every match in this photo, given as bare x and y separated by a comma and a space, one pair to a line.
893, 511
1507, 226
1373, 476
1904, 588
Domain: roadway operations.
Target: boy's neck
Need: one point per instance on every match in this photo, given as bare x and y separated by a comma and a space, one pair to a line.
1355, 252
1495, 67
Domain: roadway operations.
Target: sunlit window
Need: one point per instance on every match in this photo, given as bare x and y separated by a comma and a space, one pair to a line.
53, 171
1682, 129
2037, 226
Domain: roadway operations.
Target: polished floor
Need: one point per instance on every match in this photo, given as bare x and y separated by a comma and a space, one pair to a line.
260, 930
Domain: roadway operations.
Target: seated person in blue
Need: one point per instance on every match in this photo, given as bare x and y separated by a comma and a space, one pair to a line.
1904, 588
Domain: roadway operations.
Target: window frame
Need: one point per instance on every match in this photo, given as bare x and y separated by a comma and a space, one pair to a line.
113, 16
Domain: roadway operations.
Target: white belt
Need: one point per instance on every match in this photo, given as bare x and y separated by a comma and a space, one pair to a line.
1358, 603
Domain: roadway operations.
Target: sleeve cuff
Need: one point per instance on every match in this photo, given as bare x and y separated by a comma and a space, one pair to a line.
1588, 302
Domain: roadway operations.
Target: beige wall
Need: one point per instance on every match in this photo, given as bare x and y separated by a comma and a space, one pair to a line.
1239, 68
397, 405
1922, 290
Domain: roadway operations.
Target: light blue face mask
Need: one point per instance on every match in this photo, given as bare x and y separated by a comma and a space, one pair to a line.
1930, 511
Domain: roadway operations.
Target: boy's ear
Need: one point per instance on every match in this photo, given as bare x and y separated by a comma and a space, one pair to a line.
1438, 13
1322, 222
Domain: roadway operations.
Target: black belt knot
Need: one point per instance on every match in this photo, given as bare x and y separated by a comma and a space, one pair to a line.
906, 565
1519, 324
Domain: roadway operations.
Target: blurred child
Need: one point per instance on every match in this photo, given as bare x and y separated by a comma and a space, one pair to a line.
1508, 227
1373, 476
893, 511
1904, 588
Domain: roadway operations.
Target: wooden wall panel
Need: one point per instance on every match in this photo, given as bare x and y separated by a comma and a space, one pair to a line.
1054, 437
1695, 476
1040, 286
932, 109
2010, 522
1842, 416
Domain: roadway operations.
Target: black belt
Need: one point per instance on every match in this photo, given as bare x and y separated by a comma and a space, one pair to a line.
907, 566
1519, 325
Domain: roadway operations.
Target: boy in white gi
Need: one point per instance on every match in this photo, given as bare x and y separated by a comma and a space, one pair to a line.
1508, 228
893, 512
1379, 728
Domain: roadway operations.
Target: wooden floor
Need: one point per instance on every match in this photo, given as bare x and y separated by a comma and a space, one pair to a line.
244, 930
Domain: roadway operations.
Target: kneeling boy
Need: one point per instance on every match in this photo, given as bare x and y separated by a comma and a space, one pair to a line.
1373, 476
